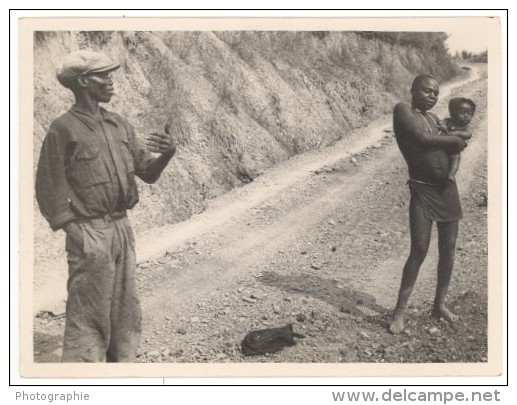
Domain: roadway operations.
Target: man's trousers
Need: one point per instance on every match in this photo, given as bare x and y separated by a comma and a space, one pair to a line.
103, 315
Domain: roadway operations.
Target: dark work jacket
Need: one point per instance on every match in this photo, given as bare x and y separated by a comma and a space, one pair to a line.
87, 166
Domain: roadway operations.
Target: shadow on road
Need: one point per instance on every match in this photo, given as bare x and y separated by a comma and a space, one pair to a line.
343, 297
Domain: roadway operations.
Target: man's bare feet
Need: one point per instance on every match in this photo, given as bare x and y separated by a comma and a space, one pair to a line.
397, 323
441, 312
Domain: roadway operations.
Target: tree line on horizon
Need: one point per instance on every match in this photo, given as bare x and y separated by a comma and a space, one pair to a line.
471, 56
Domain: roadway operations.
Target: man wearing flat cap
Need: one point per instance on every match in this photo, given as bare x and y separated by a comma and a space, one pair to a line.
84, 185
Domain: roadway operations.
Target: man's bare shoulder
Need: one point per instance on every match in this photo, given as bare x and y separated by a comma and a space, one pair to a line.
403, 112
402, 108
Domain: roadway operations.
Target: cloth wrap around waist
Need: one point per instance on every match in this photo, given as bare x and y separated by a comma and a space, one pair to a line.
439, 202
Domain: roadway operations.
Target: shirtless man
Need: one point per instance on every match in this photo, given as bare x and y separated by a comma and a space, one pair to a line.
433, 196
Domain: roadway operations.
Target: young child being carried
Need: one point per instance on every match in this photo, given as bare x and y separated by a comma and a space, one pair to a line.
461, 111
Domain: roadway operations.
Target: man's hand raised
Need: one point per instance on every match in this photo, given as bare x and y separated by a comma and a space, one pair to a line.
161, 143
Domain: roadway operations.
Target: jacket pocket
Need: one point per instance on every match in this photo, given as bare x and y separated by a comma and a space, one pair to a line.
88, 169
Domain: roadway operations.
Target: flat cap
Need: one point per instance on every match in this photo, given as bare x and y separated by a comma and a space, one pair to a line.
80, 63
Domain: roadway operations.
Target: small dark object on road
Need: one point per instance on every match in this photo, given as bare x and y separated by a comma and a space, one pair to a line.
269, 340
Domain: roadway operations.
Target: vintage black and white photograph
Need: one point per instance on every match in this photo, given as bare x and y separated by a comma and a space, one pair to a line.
310, 193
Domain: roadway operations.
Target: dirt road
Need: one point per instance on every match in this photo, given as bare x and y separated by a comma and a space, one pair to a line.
319, 241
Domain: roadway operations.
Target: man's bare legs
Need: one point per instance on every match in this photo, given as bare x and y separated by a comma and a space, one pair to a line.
447, 235
420, 229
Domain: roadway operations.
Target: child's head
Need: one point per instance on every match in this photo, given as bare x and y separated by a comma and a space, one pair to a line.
461, 110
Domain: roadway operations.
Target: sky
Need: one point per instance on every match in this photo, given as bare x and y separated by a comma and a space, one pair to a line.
473, 41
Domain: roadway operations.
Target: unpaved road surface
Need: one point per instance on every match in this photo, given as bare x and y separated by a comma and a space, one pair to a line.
318, 242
